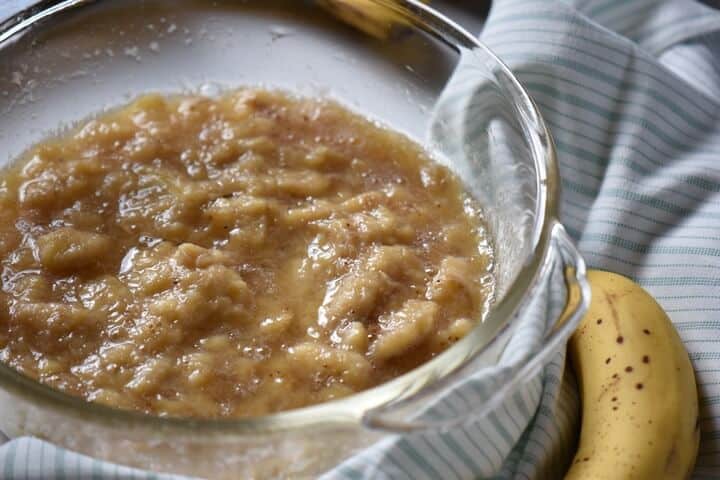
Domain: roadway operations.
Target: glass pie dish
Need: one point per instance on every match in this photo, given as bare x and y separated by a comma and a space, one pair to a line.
396, 61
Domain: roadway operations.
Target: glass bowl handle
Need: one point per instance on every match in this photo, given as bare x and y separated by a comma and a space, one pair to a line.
401, 416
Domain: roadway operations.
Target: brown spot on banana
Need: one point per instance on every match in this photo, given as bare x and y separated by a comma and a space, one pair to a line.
610, 298
609, 386
670, 459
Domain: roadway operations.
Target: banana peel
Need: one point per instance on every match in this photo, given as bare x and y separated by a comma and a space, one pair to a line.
367, 16
637, 385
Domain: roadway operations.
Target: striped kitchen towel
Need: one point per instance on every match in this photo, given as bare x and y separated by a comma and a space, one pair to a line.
631, 93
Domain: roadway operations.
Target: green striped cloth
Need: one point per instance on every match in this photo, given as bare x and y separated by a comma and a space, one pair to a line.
631, 92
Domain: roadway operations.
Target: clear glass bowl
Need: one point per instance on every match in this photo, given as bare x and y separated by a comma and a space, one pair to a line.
63, 61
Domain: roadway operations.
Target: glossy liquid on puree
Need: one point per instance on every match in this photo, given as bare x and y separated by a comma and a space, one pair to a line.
236, 256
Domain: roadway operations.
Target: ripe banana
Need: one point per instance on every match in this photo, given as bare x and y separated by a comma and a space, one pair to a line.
366, 15
639, 399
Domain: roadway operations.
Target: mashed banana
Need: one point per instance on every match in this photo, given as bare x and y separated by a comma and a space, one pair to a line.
236, 256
